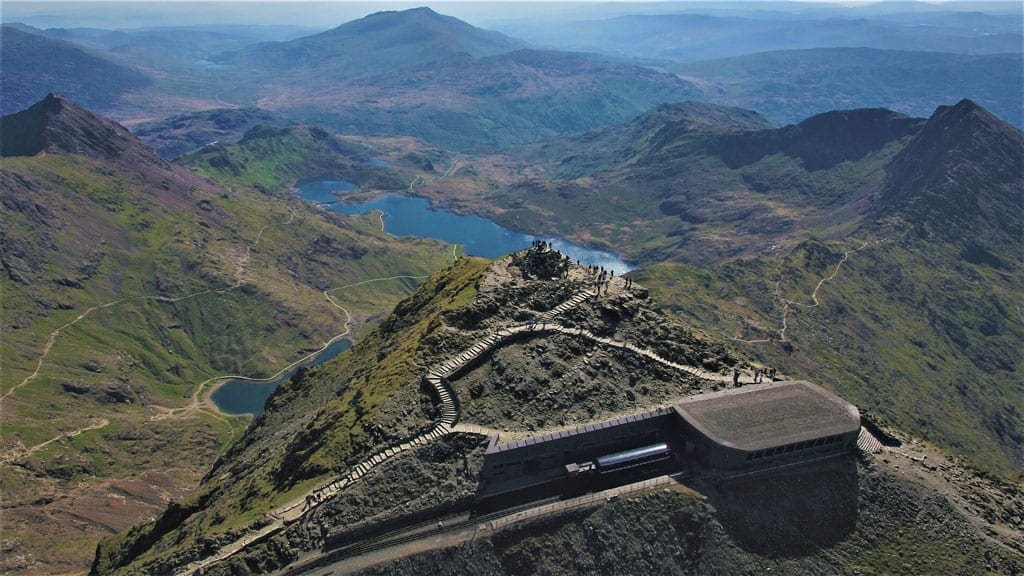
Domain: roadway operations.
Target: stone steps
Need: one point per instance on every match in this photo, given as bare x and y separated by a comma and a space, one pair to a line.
867, 442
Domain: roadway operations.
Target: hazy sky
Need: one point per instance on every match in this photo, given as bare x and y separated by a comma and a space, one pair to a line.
325, 14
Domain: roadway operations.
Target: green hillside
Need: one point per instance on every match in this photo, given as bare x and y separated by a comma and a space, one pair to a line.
912, 315
128, 284
275, 158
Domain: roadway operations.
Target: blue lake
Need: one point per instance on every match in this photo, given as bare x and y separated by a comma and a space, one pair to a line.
243, 397
407, 216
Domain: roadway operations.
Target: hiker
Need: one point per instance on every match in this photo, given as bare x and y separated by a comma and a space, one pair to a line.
735, 377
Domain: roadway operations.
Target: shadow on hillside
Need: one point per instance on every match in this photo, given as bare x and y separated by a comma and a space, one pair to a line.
792, 513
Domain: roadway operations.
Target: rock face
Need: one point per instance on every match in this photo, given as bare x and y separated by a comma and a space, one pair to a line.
55, 124
960, 178
821, 141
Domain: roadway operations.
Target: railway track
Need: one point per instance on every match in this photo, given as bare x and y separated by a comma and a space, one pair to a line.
428, 528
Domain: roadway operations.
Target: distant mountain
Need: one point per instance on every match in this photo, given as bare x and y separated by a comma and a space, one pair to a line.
789, 85
490, 102
959, 179
34, 65
649, 134
694, 37
737, 226
183, 133
379, 42
129, 281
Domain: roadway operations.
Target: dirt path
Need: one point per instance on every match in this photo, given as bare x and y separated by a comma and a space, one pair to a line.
438, 377
814, 295
96, 425
787, 303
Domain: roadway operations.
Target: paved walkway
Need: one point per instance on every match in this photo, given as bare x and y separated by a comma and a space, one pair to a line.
438, 377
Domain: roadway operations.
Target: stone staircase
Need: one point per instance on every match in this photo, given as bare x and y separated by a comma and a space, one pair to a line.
564, 307
437, 377
867, 442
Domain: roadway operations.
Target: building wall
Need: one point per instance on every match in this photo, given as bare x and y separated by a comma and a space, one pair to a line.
714, 455
544, 459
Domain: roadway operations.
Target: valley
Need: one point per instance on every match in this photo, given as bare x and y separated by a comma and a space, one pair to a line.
281, 285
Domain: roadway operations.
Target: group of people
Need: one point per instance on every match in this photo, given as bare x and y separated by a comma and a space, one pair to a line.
602, 277
759, 376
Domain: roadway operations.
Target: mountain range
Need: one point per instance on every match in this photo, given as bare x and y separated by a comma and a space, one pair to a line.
690, 37
34, 65
756, 212
906, 320
129, 282
787, 86
848, 215
462, 87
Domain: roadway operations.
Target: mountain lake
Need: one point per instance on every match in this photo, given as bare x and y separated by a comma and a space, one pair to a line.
407, 216
247, 397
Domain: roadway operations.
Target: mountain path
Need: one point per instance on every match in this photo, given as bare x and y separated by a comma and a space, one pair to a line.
239, 280
787, 303
437, 377
96, 425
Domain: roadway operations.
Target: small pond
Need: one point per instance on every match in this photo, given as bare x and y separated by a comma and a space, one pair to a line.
245, 397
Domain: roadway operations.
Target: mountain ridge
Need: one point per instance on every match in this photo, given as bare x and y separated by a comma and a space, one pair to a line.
386, 40
34, 65
56, 124
130, 285
959, 178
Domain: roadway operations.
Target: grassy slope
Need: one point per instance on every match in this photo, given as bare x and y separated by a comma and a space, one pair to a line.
89, 236
323, 421
916, 338
274, 158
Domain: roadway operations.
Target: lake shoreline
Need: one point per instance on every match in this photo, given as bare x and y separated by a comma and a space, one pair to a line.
415, 215
309, 360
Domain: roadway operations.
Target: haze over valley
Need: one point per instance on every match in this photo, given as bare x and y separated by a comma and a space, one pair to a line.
485, 262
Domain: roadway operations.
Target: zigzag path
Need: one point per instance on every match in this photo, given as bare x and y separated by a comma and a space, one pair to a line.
438, 377
787, 303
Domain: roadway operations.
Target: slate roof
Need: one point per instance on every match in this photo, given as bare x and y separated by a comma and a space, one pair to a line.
760, 416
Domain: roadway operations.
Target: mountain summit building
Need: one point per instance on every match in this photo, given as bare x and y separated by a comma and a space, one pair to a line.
772, 421
735, 429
